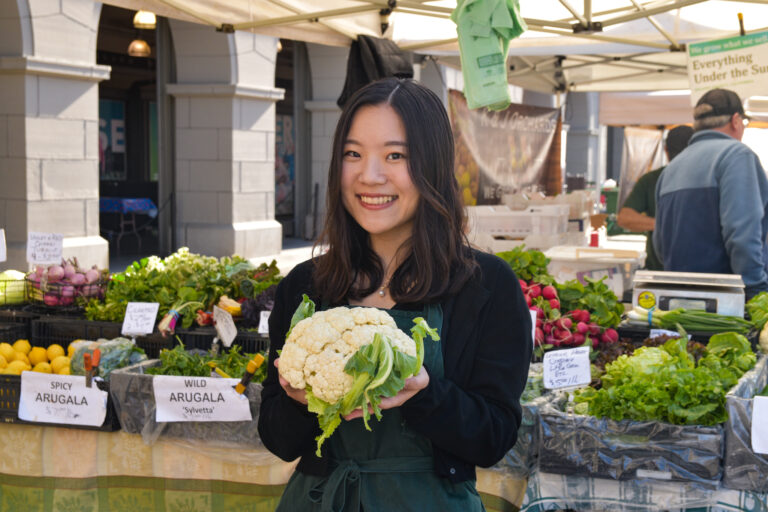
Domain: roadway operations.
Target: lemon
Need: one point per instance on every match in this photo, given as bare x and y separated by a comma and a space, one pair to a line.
55, 351
63, 371
71, 349
22, 346
21, 356
6, 350
42, 368
16, 367
3, 362
37, 355
59, 363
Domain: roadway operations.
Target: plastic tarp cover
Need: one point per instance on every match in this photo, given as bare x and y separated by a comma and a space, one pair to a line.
744, 469
574, 444
132, 392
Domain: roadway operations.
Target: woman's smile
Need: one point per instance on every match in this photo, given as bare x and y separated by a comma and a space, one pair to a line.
376, 201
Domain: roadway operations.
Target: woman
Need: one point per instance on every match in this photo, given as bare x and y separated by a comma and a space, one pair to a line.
395, 236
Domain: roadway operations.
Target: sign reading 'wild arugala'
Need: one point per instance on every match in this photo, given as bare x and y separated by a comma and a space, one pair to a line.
736, 63
199, 399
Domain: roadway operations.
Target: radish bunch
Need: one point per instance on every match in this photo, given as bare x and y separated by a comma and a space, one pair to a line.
557, 329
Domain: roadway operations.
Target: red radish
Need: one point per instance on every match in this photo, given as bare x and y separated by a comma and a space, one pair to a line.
534, 291
554, 303
539, 336
581, 327
578, 339
594, 329
585, 316
595, 342
539, 322
550, 340
547, 328
539, 312
528, 300
549, 292
610, 336
523, 285
564, 323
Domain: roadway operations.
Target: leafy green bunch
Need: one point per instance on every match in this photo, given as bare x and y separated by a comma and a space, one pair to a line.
595, 296
181, 278
528, 264
666, 384
181, 362
757, 307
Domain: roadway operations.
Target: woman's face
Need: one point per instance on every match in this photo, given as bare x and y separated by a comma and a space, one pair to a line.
376, 186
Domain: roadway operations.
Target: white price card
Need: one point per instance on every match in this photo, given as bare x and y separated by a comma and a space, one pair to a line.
264, 322
3, 250
225, 326
760, 424
43, 248
567, 368
199, 399
660, 332
140, 318
533, 326
63, 399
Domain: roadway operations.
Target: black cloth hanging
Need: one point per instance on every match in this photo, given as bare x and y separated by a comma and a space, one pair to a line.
372, 58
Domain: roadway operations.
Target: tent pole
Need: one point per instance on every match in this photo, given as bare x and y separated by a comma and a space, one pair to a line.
588, 10
179, 6
653, 10
606, 39
658, 27
308, 16
576, 14
324, 23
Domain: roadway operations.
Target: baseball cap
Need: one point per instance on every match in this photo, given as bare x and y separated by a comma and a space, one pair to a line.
719, 102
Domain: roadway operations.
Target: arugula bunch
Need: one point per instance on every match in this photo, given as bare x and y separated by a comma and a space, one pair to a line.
181, 278
181, 362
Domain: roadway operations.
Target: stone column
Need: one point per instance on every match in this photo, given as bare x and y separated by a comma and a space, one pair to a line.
225, 142
49, 157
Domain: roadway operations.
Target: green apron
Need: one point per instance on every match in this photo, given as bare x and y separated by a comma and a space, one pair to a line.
390, 468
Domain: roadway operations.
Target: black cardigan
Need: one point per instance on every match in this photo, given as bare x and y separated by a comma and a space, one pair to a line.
471, 415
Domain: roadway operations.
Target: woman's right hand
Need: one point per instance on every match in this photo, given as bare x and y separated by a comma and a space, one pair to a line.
300, 395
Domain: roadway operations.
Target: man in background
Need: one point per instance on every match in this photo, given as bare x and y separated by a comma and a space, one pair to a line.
638, 212
712, 200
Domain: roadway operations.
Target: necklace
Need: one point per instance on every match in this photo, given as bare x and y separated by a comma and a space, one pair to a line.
383, 290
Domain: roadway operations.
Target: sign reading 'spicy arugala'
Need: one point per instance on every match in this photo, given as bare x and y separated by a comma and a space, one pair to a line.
64, 399
736, 63
199, 399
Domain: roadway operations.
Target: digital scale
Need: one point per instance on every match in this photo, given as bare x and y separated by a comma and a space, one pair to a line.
714, 293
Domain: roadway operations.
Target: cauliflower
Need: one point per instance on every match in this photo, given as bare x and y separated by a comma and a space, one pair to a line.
348, 358
319, 347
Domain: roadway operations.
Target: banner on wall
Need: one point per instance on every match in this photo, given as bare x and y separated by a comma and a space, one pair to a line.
112, 155
737, 63
505, 152
285, 164
643, 152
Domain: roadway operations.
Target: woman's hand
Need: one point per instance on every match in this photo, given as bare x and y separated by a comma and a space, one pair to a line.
412, 386
300, 395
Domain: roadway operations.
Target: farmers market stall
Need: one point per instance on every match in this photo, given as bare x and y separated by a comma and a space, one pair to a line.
54, 469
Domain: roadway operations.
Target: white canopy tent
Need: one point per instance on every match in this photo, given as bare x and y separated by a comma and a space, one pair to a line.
603, 45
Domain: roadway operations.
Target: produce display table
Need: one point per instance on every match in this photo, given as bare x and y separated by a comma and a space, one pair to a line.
70, 470
548, 491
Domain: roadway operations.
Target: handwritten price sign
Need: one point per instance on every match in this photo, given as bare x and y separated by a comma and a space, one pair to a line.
140, 318
567, 368
44, 248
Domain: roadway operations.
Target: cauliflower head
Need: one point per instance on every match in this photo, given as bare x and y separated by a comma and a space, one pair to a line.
318, 348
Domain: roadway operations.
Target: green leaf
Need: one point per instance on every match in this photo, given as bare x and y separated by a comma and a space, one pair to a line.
305, 310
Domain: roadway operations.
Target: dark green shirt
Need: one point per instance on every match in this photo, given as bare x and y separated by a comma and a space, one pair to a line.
642, 199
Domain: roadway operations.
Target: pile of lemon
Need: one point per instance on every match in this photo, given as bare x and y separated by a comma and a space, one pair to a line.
21, 356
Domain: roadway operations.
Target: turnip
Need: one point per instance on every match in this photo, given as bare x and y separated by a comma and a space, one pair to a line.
69, 270
549, 292
66, 301
67, 291
50, 299
92, 275
55, 273
77, 279
39, 271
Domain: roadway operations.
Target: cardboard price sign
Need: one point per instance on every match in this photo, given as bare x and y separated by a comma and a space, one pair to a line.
225, 326
199, 399
567, 368
64, 399
44, 248
140, 318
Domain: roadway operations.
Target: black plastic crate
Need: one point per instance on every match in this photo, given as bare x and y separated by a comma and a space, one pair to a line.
638, 333
64, 330
10, 392
12, 332
202, 337
19, 316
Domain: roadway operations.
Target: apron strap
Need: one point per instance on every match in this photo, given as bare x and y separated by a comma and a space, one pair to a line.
332, 493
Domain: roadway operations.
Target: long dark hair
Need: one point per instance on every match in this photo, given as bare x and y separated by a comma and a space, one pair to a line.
436, 260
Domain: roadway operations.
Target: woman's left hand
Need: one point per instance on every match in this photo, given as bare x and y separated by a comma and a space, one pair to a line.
412, 386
